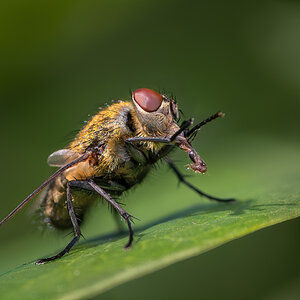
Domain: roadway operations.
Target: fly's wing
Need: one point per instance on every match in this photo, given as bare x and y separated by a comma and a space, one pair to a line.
61, 157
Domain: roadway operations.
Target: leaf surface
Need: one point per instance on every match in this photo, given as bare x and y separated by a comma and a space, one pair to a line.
99, 264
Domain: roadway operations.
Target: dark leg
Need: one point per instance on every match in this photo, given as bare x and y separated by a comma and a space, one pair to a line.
75, 226
189, 133
181, 179
126, 216
183, 127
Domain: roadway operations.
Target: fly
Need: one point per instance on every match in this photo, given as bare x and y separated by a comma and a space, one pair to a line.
112, 153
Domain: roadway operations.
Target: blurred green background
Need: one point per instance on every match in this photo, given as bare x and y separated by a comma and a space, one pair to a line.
61, 60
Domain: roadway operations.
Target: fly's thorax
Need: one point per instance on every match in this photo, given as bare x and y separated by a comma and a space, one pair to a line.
107, 130
109, 124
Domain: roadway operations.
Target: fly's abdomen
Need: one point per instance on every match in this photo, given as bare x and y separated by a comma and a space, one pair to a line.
54, 204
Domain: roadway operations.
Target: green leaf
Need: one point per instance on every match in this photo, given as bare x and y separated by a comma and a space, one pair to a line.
100, 264
97, 265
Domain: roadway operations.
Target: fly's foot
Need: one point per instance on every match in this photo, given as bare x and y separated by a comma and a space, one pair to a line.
43, 261
128, 219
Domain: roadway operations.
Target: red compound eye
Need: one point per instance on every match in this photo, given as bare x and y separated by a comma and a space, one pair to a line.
147, 99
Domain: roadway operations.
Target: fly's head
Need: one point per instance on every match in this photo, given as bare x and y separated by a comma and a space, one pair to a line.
158, 116
156, 113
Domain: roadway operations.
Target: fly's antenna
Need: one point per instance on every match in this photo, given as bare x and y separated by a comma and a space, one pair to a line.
45, 183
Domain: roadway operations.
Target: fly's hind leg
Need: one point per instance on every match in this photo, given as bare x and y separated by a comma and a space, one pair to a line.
75, 227
182, 179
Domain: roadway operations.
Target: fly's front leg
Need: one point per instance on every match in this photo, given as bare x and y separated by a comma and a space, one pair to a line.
182, 179
125, 215
75, 227
184, 126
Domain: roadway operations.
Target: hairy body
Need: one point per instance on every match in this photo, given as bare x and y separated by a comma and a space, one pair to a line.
120, 165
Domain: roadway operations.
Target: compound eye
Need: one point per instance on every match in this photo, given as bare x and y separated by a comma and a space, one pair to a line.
147, 99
